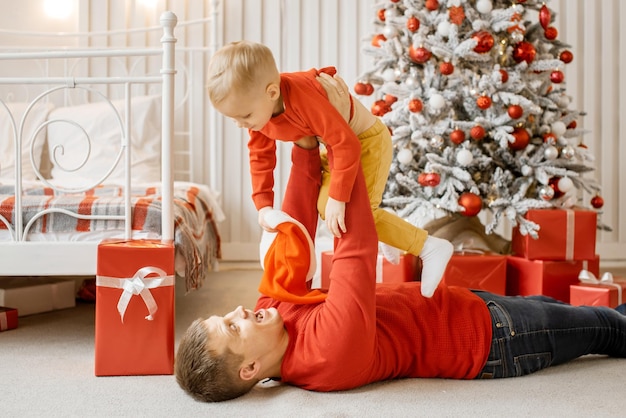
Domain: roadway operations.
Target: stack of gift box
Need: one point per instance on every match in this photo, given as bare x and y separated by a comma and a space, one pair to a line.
551, 263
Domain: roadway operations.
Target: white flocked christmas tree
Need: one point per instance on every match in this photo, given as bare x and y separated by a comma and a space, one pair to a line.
474, 94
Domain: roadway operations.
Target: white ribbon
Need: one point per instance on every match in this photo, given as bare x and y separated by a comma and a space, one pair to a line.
570, 233
588, 277
140, 285
4, 322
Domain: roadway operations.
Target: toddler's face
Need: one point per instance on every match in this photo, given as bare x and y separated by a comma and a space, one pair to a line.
250, 110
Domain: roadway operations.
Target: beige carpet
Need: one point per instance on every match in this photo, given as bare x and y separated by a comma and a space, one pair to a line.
46, 370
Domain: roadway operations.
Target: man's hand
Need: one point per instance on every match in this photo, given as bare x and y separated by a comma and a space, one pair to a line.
336, 217
262, 222
337, 92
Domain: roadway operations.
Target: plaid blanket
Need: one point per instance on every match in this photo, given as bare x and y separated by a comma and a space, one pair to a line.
196, 235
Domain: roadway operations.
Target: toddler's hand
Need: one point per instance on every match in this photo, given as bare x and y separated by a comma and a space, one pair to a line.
335, 217
262, 222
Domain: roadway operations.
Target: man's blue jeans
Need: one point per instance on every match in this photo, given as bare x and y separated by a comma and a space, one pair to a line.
534, 332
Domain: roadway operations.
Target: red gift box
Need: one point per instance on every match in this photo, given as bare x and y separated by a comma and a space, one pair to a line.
407, 270
608, 291
8, 318
545, 277
134, 308
477, 271
564, 234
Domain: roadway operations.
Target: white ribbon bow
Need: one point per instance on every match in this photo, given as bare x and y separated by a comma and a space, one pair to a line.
588, 277
140, 285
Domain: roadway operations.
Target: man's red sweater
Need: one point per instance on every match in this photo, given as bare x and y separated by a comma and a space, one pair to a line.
364, 332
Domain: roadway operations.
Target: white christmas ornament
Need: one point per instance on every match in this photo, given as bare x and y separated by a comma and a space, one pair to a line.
551, 153
443, 28
390, 31
565, 184
437, 101
464, 157
558, 128
568, 152
527, 170
404, 156
484, 6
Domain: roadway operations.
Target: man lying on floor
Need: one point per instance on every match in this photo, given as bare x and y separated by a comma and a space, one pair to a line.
363, 332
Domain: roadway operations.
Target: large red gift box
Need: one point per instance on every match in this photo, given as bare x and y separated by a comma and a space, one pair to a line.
134, 308
545, 277
8, 318
609, 291
564, 234
407, 270
477, 271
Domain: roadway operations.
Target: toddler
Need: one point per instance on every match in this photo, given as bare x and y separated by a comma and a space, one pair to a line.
244, 84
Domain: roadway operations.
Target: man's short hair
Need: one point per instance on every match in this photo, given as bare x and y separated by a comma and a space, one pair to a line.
204, 373
239, 67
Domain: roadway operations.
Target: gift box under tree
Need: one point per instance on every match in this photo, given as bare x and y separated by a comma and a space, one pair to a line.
545, 277
407, 270
591, 291
564, 234
477, 271
134, 332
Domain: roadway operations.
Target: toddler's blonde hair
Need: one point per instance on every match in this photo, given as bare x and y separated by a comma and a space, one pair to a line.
239, 67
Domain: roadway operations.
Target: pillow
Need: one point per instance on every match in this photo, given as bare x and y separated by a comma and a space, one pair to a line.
36, 117
101, 125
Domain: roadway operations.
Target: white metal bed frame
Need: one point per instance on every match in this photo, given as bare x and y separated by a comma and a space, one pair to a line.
79, 258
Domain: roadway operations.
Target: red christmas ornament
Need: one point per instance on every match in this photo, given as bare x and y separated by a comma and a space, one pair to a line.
471, 202
446, 68
515, 111
522, 138
551, 33
381, 14
554, 183
432, 5
415, 105
379, 108
477, 132
524, 51
456, 14
432, 179
572, 125
544, 16
457, 136
485, 41
557, 76
419, 55
549, 138
421, 179
566, 56
597, 201
505, 76
390, 99
483, 102
363, 89
377, 39
413, 24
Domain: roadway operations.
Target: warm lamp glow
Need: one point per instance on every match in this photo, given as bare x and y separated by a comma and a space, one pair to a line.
58, 9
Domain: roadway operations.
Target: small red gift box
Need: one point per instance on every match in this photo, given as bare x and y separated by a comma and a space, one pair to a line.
564, 234
407, 270
544, 277
8, 318
134, 308
609, 291
477, 271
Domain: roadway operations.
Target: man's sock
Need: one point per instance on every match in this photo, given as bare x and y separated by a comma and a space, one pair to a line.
435, 256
